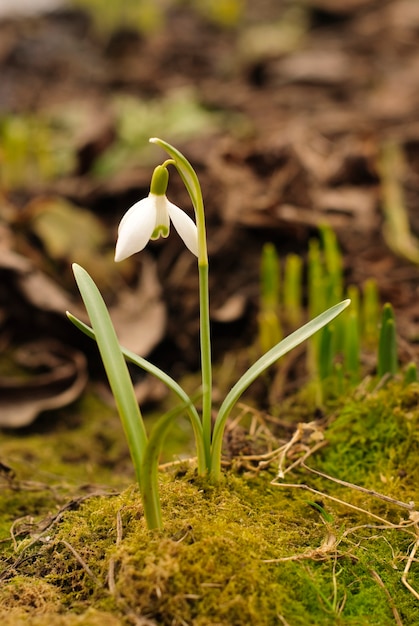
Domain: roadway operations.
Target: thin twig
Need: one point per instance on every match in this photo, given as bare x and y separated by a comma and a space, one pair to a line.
393, 607
81, 562
407, 569
410, 506
169, 464
111, 570
137, 620
282, 620
13, 533
297, 462
337, 500
42, 528
294, 439
402, 526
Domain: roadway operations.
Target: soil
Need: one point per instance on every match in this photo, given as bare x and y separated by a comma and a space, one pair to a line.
294, 116
299, 126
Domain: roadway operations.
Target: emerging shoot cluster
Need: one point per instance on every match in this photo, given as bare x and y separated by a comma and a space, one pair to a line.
334, 354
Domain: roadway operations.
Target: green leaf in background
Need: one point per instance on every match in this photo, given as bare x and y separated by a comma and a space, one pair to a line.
387, 343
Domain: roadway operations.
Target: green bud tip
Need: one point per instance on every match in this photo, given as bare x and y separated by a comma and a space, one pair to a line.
159, 181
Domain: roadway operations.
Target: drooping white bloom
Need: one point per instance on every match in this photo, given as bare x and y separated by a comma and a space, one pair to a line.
150, 219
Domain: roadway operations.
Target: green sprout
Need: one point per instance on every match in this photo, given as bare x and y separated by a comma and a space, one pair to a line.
387, 344
334, 354
293, 289
411, 374
148, 219
270, 331
370, 307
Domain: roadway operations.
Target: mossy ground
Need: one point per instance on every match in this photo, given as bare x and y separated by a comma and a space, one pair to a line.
248, 551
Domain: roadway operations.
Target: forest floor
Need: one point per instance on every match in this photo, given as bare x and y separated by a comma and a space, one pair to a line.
294, 116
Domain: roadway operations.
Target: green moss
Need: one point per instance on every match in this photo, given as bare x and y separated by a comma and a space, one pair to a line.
81, 444
374, 441
243, 552
212, 564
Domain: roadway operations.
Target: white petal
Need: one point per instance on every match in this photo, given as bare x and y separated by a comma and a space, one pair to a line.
162, 226
137, 206
135, 229
184, 226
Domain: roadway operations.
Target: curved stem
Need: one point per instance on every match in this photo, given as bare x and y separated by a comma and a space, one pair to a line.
191, 182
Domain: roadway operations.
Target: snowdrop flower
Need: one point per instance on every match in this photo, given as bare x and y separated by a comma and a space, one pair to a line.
150, 219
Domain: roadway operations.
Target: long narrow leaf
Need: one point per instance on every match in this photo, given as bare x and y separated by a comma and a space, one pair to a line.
287, 344
143, 364
115, 367
150, 491
165, 379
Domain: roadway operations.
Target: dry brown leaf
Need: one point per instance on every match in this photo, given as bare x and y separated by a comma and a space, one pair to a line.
318, 66
231, 310
51, 376
70, 233
53, 373
140, 313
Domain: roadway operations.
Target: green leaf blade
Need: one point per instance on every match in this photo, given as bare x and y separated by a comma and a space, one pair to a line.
115, 367
166, 380
287, 344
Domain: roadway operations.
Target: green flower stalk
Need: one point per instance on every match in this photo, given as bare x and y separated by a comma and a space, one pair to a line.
148, 219
190, 179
